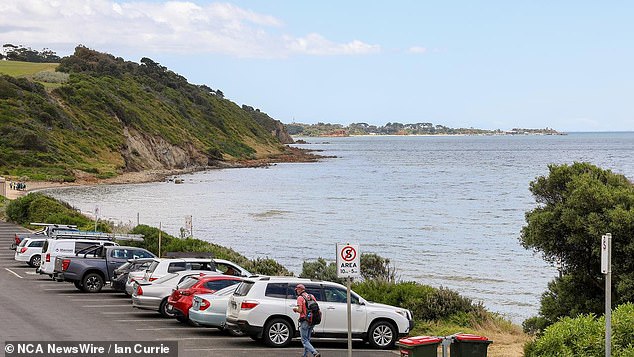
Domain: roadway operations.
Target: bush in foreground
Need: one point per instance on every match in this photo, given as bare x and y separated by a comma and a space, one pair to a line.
585, 336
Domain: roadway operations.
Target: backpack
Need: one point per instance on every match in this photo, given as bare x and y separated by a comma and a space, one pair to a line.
313, 314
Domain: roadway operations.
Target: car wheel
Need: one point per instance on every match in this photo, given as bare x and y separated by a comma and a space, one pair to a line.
35, 260
78, 285
382, 335
92, 283
278, 333
166, 309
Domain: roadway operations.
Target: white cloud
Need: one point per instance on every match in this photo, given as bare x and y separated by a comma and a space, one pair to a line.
168, 26
315, 44
417, 50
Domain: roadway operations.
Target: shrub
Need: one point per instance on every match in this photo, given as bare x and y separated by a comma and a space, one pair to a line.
320, 269
266, 266
585, 336
376, 267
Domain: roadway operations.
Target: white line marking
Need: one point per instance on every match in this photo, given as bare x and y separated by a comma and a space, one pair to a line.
139, 320
169, 328
128, 312
93, 306
12, 272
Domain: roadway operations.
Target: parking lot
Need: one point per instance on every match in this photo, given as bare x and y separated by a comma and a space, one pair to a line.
36, 308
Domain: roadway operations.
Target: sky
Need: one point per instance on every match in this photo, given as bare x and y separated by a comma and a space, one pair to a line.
567, 65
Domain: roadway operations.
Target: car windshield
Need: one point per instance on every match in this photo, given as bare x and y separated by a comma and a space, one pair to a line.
23, 242
188, 282
243, 288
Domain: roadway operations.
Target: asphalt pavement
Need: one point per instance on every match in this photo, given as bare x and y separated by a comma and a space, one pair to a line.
37, 308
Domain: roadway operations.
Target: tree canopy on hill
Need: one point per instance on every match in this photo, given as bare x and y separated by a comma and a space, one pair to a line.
578, 204
26, 54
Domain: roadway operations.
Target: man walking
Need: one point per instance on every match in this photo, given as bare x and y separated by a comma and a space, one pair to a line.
305, 329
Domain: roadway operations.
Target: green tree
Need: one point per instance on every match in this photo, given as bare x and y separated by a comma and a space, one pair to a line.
579, 203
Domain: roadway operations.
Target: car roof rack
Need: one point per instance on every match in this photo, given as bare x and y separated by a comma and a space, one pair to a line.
96, 236
197, 255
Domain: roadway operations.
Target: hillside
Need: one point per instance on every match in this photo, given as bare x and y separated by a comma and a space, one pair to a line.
111, 116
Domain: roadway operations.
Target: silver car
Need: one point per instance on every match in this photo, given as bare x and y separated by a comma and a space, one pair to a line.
153, 295
211, 310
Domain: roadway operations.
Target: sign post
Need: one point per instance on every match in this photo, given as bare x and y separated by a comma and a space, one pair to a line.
606, 268
348, 266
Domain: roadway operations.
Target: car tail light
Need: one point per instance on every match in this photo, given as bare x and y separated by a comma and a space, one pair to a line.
139, 291
248, 305
23, 249
48, 257
65, 264
204, 305
152, 279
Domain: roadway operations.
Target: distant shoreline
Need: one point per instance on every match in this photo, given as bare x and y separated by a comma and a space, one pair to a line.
292, 155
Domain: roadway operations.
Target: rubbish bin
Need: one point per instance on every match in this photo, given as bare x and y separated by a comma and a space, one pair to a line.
419, 346
468, 345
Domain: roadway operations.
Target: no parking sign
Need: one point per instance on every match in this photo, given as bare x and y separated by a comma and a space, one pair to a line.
348, 261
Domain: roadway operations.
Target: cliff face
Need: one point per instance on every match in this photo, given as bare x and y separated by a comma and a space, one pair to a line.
144, 152
113, 116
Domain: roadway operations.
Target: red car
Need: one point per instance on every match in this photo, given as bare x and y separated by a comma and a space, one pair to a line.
181, 298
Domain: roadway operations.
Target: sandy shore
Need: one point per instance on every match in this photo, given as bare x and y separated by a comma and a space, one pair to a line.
84, 179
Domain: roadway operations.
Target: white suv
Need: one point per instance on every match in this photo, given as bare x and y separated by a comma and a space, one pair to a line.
262, 307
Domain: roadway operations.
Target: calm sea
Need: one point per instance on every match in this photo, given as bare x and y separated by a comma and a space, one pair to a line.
447, 211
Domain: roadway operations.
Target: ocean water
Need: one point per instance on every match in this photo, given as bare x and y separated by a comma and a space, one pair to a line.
447, 211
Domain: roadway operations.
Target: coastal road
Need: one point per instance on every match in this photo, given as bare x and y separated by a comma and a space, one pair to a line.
36, 308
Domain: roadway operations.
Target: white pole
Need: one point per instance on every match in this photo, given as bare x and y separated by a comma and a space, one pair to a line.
160, 231
608, 298
349, 319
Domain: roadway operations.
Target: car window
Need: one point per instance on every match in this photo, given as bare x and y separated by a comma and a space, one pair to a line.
36, 243
227, 269
23, 242
83, 245
176, 266
142, 254
220, 284
276, 290
227, 291
337, 294
199, 266
153, 266
243, 288
165, 278
315, 290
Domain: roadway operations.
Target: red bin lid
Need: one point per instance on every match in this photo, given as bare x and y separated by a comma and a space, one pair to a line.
419, 340
469, 337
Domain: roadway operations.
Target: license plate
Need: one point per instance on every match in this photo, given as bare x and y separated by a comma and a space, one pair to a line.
196, 304
234, 305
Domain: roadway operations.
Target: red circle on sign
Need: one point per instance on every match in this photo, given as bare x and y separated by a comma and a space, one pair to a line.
348, 253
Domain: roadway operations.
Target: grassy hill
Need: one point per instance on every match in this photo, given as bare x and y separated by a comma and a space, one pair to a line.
104, 116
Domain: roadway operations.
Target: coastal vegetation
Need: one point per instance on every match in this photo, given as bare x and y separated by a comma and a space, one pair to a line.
328, 129
102, 116
579, 203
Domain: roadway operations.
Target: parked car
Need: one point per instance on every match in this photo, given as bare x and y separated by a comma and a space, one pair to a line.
210, 310
46, 232
262, 307
181, 298
91, 268
153, 295
54, 248
164, 266
138, 275
120, 276
30, 251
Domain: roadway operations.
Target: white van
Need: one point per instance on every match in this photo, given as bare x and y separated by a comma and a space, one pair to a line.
62, 247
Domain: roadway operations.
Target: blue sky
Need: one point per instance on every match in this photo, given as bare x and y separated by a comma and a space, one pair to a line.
567, 65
